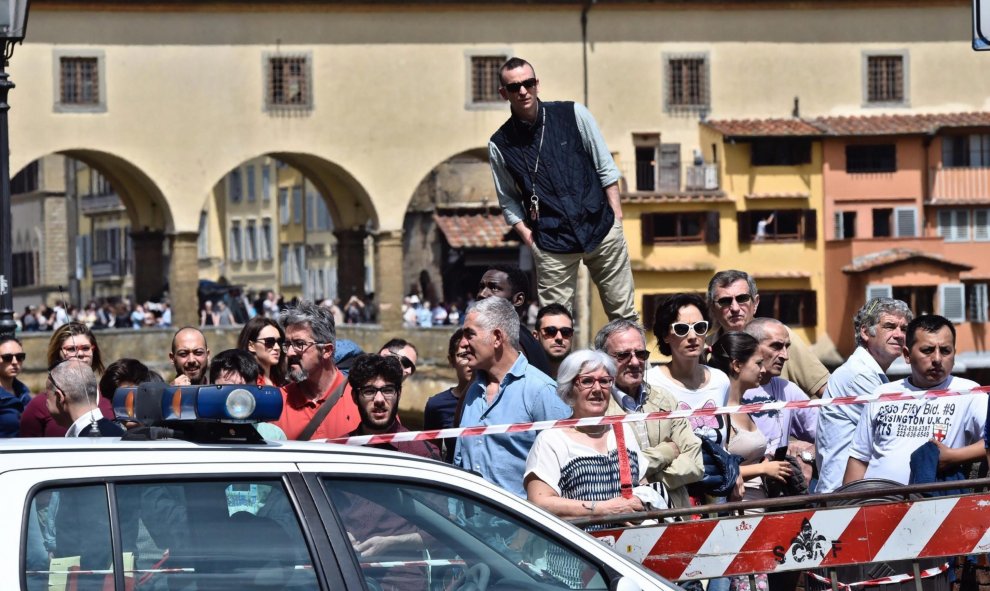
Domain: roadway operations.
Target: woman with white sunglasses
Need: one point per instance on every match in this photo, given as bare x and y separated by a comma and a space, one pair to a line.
680, 325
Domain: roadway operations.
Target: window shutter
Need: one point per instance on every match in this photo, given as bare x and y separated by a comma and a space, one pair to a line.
742, 220
945, 223
712, 232
840, 232
646, 223
981, 224
978, 303
809, 316
877, 290
952, 301
905, 222
810, 225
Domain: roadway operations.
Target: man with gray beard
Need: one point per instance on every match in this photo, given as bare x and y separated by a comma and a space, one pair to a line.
317, 403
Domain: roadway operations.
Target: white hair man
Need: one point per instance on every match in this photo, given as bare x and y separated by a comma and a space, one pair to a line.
879, 326
505, 389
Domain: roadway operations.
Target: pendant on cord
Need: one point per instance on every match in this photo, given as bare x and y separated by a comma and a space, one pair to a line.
534, 207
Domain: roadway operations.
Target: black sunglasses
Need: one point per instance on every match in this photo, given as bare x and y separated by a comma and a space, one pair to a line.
551, 331
407, 363
8, 357
623, 356
743, 298
514, 87
271, 342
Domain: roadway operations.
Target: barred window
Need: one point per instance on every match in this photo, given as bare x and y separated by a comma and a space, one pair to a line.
80, 81
484, 78
885, 79
289, 82
687, 82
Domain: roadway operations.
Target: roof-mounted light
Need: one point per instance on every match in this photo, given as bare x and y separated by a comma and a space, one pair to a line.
185, 409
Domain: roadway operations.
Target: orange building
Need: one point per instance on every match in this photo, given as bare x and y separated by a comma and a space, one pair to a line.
907, 205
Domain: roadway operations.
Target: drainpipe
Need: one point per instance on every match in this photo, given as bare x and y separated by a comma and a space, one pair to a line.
584, 44
582, 300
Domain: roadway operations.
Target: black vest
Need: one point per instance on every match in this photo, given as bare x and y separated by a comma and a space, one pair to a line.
574, 213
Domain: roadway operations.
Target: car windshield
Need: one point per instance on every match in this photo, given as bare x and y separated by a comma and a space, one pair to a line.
411, 537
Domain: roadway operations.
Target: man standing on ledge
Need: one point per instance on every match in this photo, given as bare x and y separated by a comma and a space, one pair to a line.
558, 188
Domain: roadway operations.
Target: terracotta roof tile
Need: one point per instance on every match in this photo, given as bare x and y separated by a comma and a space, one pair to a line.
901, 124
854, 125
475, 228
892, 256
764, 127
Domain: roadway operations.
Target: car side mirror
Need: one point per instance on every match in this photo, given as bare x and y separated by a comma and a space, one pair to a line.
624, 584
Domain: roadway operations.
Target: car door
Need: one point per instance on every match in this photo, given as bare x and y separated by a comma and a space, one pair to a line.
426, 527
163, 527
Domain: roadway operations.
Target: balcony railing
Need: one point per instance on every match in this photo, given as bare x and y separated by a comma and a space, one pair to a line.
89, 204
959, 185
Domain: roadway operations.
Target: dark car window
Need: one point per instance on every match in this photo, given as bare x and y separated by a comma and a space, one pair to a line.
408, 537
219, 534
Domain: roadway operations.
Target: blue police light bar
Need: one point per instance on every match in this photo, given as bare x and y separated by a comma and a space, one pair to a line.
159, 404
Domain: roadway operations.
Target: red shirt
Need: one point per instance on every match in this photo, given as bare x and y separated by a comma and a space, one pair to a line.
298, 410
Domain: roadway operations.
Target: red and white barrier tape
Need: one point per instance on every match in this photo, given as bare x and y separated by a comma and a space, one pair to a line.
653, 416
808, 539
925, 574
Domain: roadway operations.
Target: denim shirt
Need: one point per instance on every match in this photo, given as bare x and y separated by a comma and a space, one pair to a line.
525, 395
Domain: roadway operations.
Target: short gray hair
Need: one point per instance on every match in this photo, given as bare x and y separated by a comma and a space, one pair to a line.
757, 327
869, 315
497, 313
75, 378
617, 325
577, 363
319, 319
727, 278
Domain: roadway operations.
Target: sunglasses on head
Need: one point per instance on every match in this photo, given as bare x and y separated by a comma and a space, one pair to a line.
743, 298
551, 331
271, 342
623, 356
681, 329
8, 357
406, 363
514, 87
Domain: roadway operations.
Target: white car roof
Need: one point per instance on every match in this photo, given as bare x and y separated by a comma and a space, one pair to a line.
24, 453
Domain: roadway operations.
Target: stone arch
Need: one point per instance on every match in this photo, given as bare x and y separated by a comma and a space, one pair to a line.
148, 220
453, 228
258, 245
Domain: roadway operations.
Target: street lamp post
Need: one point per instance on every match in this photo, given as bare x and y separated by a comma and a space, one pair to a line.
13, 25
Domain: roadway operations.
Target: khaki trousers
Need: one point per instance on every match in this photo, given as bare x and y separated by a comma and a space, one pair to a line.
608, 265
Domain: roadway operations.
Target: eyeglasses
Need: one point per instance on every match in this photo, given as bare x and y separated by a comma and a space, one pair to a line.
551, 331
514, 87
623, 356
55, 385
681, 329
270, 342
743, 298
8, 357
300, 346
76, 349
389, 392
588, 382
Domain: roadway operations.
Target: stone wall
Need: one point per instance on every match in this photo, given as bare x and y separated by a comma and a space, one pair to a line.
151, 346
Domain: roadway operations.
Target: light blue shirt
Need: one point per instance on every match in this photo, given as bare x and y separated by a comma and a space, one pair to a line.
860, 374
525, 395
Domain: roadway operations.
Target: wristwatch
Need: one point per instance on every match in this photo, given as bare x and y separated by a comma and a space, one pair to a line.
807, 457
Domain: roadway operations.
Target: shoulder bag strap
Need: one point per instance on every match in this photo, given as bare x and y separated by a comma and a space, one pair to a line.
625, 474
322, 413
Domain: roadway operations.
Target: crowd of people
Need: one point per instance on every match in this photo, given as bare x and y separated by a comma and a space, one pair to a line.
720, 354
97, 315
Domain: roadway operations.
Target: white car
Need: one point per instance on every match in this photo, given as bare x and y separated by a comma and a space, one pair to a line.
100, 514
